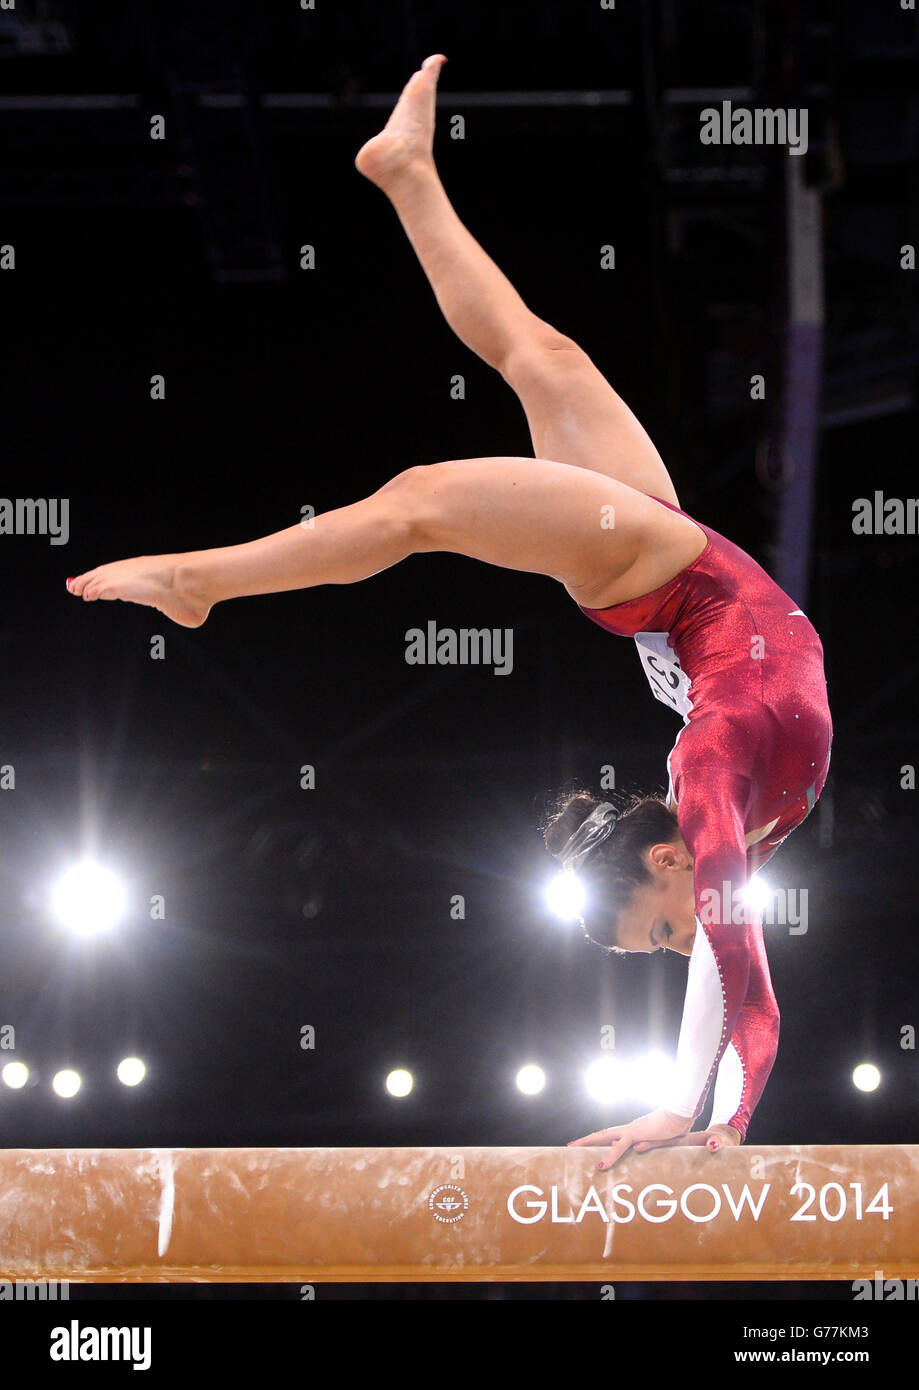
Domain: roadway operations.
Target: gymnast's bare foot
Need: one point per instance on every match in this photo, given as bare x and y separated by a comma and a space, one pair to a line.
406, 142
157, 581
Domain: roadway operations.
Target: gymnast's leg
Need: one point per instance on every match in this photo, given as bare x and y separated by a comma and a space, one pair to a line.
573, 413
535, 515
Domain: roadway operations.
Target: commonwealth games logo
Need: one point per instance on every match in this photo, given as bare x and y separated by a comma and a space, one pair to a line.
448, 1203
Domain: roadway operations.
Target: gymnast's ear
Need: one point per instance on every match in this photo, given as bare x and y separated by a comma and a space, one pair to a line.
670, 855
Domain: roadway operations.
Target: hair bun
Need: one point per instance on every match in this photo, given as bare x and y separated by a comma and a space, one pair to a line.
571, 810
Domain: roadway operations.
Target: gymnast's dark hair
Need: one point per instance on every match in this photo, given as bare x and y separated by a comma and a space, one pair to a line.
615, 868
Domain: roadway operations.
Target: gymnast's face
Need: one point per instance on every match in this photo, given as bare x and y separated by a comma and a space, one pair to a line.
662, 913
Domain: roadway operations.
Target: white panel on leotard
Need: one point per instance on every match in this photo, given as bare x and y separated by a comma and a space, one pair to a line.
668, 681
728, 1087
700, 1031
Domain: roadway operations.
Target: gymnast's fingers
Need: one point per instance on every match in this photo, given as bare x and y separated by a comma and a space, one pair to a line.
679, 1141
617, 1150
596, 1140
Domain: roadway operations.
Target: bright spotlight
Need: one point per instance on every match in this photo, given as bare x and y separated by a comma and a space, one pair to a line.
88, 899
866, 1077
399, 1082
531, 1080
607, 1079
15, 1075
757, 894
66, 1083
131, 1071
565, 896
649, 1077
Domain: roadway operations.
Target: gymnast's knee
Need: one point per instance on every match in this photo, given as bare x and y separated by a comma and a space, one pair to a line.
535, 362
410, 498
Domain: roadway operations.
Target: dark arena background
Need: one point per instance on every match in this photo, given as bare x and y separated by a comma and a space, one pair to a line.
330, 857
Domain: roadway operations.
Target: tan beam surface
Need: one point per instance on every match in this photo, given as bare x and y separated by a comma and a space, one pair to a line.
473, 1214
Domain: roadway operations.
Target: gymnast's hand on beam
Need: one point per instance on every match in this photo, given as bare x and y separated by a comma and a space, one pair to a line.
658, 1129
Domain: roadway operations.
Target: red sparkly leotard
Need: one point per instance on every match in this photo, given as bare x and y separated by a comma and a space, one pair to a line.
726, 648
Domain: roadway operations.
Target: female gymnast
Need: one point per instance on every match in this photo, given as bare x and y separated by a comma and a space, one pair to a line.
596, 510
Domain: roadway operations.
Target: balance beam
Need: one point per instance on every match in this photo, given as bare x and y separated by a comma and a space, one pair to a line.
471, 1214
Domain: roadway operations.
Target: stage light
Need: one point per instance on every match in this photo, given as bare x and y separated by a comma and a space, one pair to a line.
399, 1082
758, 894
866, 1077
131, 1071
66, 1083
565, 896
649, 1077
15, 1075
88, 899
607, 1079
531, 1080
